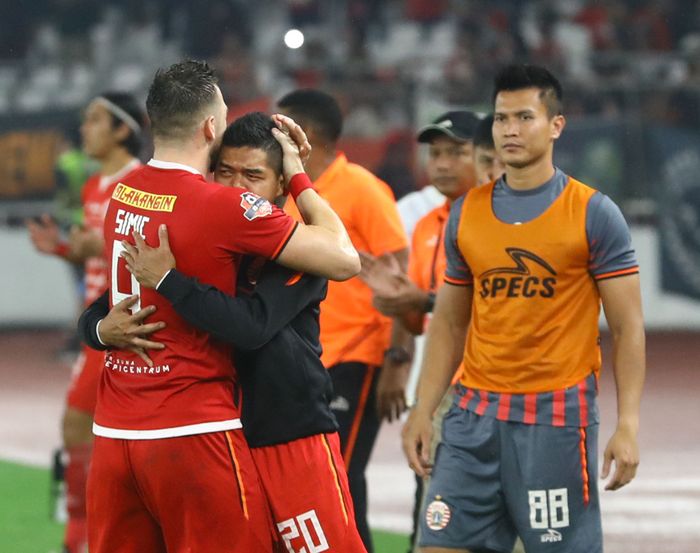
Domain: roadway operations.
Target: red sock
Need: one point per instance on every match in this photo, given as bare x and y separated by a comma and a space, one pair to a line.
75, 540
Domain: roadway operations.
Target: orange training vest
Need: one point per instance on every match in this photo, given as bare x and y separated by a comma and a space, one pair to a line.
534, 320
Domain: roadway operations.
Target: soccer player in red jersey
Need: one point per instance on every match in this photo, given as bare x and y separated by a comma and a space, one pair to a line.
111, 134
171, 470
274, 328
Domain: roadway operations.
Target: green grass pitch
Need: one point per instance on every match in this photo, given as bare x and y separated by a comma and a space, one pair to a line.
25, 525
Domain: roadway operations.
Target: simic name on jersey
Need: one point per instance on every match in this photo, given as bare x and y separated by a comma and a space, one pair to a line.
128, 222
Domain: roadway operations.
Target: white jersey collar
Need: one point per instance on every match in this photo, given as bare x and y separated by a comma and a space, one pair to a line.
158, 164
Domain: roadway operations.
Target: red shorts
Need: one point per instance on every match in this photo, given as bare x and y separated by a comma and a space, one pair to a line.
194, 493
307, 488
87, 370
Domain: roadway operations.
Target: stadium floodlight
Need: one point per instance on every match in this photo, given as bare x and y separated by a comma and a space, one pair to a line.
294, 39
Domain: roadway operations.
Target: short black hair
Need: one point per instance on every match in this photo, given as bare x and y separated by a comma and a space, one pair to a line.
254, 130
178, 96
483, 133
520, 76
315, 108
133, 142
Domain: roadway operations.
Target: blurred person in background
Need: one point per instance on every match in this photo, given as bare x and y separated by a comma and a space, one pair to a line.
410, 298
530, 259
356, 338
487, 165
73, 168
111, 134
396, 167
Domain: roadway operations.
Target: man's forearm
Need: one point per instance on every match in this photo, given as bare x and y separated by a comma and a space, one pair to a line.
90, 318
402, 339
323, 246
443, 352
630, 368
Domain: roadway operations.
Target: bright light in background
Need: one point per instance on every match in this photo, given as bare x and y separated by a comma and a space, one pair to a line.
294, 38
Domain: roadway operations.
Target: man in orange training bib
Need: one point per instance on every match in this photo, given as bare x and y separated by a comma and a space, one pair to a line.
530, 257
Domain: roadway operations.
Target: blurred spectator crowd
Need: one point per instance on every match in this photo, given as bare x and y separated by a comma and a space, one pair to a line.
391, 62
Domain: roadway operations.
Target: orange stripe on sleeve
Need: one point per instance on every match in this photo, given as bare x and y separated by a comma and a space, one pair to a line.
284, 242
294, 279
622, 272
458, 282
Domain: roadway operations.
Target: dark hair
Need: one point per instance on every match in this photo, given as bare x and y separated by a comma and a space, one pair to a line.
483, 133
254, 130
314, 108
128, 103
520, 76
177, 97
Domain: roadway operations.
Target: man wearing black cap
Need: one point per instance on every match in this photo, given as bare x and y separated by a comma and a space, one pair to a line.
409, 298
451, 171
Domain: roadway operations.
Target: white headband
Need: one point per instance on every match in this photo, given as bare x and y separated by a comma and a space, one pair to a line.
119, 113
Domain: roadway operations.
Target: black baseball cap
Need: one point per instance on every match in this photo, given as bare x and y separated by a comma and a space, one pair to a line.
457, 125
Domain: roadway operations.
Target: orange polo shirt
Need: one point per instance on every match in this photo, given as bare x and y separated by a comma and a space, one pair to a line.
427, 264
351, 328
428, 261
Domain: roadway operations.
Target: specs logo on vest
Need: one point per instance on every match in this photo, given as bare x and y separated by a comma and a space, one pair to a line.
518, 281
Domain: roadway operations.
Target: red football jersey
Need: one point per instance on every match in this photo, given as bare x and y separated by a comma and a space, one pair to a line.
95, 196
189, 390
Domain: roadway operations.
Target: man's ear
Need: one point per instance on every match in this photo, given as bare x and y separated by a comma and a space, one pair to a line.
311, 134
209, 128
121, 132
558, 124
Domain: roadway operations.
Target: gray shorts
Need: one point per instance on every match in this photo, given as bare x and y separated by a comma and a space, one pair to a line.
494, 480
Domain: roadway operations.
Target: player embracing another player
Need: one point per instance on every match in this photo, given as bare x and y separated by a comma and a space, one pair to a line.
171, 469
274, 329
